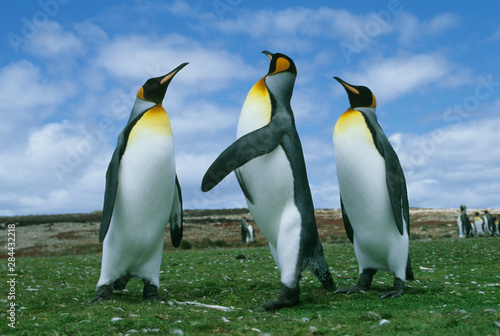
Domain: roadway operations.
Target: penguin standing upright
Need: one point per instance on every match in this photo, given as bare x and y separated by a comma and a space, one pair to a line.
247, 232
490, 223
373, 194
269, 165
463, 222
479, 225
498, 225
142, 195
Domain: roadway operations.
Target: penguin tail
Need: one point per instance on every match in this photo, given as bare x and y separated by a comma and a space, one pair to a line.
409, 271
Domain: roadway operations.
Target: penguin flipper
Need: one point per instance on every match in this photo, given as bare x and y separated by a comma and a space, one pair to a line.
396, 184
254, 144
176, 218
394, 178
111, 187
347, 223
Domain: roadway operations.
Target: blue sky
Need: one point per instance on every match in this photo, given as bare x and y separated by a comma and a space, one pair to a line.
69, 72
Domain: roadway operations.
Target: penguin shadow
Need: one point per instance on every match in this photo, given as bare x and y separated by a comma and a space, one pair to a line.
412, 288
132, 294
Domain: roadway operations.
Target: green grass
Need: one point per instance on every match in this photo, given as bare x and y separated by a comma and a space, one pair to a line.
458, 293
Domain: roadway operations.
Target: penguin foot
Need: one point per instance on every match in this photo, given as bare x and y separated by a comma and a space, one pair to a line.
392, 294
351, 290
288, 297
328, 283
364, 283
121, 283
150, 293
103, 293
396, 291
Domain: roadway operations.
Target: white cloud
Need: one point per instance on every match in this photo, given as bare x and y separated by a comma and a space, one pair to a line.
410, 28
202, 117
301, 21
22, 86
391, 78
453, 165
52, 41
128, 57
27, 97
58, 167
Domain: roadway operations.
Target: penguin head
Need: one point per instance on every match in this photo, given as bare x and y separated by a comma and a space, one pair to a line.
280, 63
155, 88
462, 207
359, 96
280, 78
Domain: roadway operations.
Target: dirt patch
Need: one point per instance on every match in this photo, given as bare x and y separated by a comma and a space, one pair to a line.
78, 233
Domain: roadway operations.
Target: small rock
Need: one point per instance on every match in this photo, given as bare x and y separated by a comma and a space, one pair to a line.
176, 331
383, 321
374, 315
114, 319
225, 320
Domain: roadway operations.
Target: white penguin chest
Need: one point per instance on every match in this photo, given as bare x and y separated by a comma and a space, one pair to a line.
256, 111
361, 175
146, 180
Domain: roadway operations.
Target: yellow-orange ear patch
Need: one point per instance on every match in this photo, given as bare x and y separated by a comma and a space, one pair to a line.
374, 102
282, 64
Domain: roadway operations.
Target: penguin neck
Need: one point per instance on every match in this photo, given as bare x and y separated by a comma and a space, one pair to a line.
140, 106
366, 110
281, 86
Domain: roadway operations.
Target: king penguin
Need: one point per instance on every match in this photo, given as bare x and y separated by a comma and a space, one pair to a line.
373, 194
142, 195
269, 165
462, 222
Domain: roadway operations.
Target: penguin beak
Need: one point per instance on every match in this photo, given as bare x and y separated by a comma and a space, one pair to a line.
168, 77
155, 88
347, 86
268, 54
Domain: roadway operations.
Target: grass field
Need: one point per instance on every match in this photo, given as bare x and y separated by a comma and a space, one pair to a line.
457, 292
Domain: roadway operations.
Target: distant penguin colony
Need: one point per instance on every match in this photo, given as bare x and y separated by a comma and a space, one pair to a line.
269, 165
142, 195
373, 193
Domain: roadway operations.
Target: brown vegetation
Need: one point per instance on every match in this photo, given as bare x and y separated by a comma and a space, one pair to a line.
77, 233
